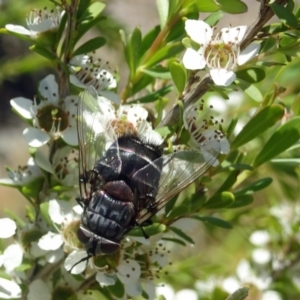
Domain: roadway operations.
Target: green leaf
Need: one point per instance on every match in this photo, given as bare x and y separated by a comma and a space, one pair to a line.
44, 207
84, 27
149, 39
220, 200
233, 6
43, 51
158, 72
240, 294
242, 200
255, 186
214, 18
155, 95
133, 50
207, 5
285, 15
163, 11
283, 138
213, 221
142, 83
182, 234
294, 162
265, 119
178, 211
177, 241
229, 182
118, 289
90, 46
179, 76
168, 51
251, 75
148, 230
253, 92
92, 12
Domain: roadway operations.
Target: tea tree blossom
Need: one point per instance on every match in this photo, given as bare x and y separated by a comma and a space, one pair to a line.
204, 132
38, 21
221, 53
88, 71
52, 118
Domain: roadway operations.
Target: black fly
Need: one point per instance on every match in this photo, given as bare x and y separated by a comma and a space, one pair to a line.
125, 178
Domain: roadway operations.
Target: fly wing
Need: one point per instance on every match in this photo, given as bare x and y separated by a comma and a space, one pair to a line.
93, 132
178, 170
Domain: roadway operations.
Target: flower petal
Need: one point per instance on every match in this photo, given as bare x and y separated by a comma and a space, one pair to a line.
9, 289
222, 77
113, 97
50, 241
59, 211
7, 228
13, 256
35, 137
133, 289
234, 34
72, 259
53, 257
22, 106
248, 53
129, 271
193, 60
38, 290
48, 88
199, 31
105, 279
17, 29
70, 136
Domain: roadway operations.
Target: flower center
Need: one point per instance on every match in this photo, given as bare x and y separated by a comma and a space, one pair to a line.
219, 55
123, 127
52, 119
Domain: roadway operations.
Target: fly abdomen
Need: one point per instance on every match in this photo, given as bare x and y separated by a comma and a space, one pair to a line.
108, 217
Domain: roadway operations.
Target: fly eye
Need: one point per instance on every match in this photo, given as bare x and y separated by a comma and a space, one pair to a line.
83, 235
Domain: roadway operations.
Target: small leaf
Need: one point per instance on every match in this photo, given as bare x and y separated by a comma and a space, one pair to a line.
155, 95
207, 5
214, 18
178, 211
149, 230
285, 15
220, 200
182, 234
242, 200
233, 6
133, 50
240, 294
158, 72
44, 207
256, 186
43, 51
90, 46
229, 182
168, 51
92, 12
283, 138
163, 11
251, 75
118, 289
178, 73
149, 39
177, 241
294, 162
214, 221
264, 119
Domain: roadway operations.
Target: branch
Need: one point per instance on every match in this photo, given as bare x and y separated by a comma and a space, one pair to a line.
264, 15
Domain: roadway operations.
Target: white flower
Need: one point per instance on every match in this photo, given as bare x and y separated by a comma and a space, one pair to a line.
9, 289
38, 21
38, 289
12, 257
204, 133
186, 294
127, 119
259, 237
52, 117
88, 71
7, 228
220, 54
23, 175
64, 164
261, 256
